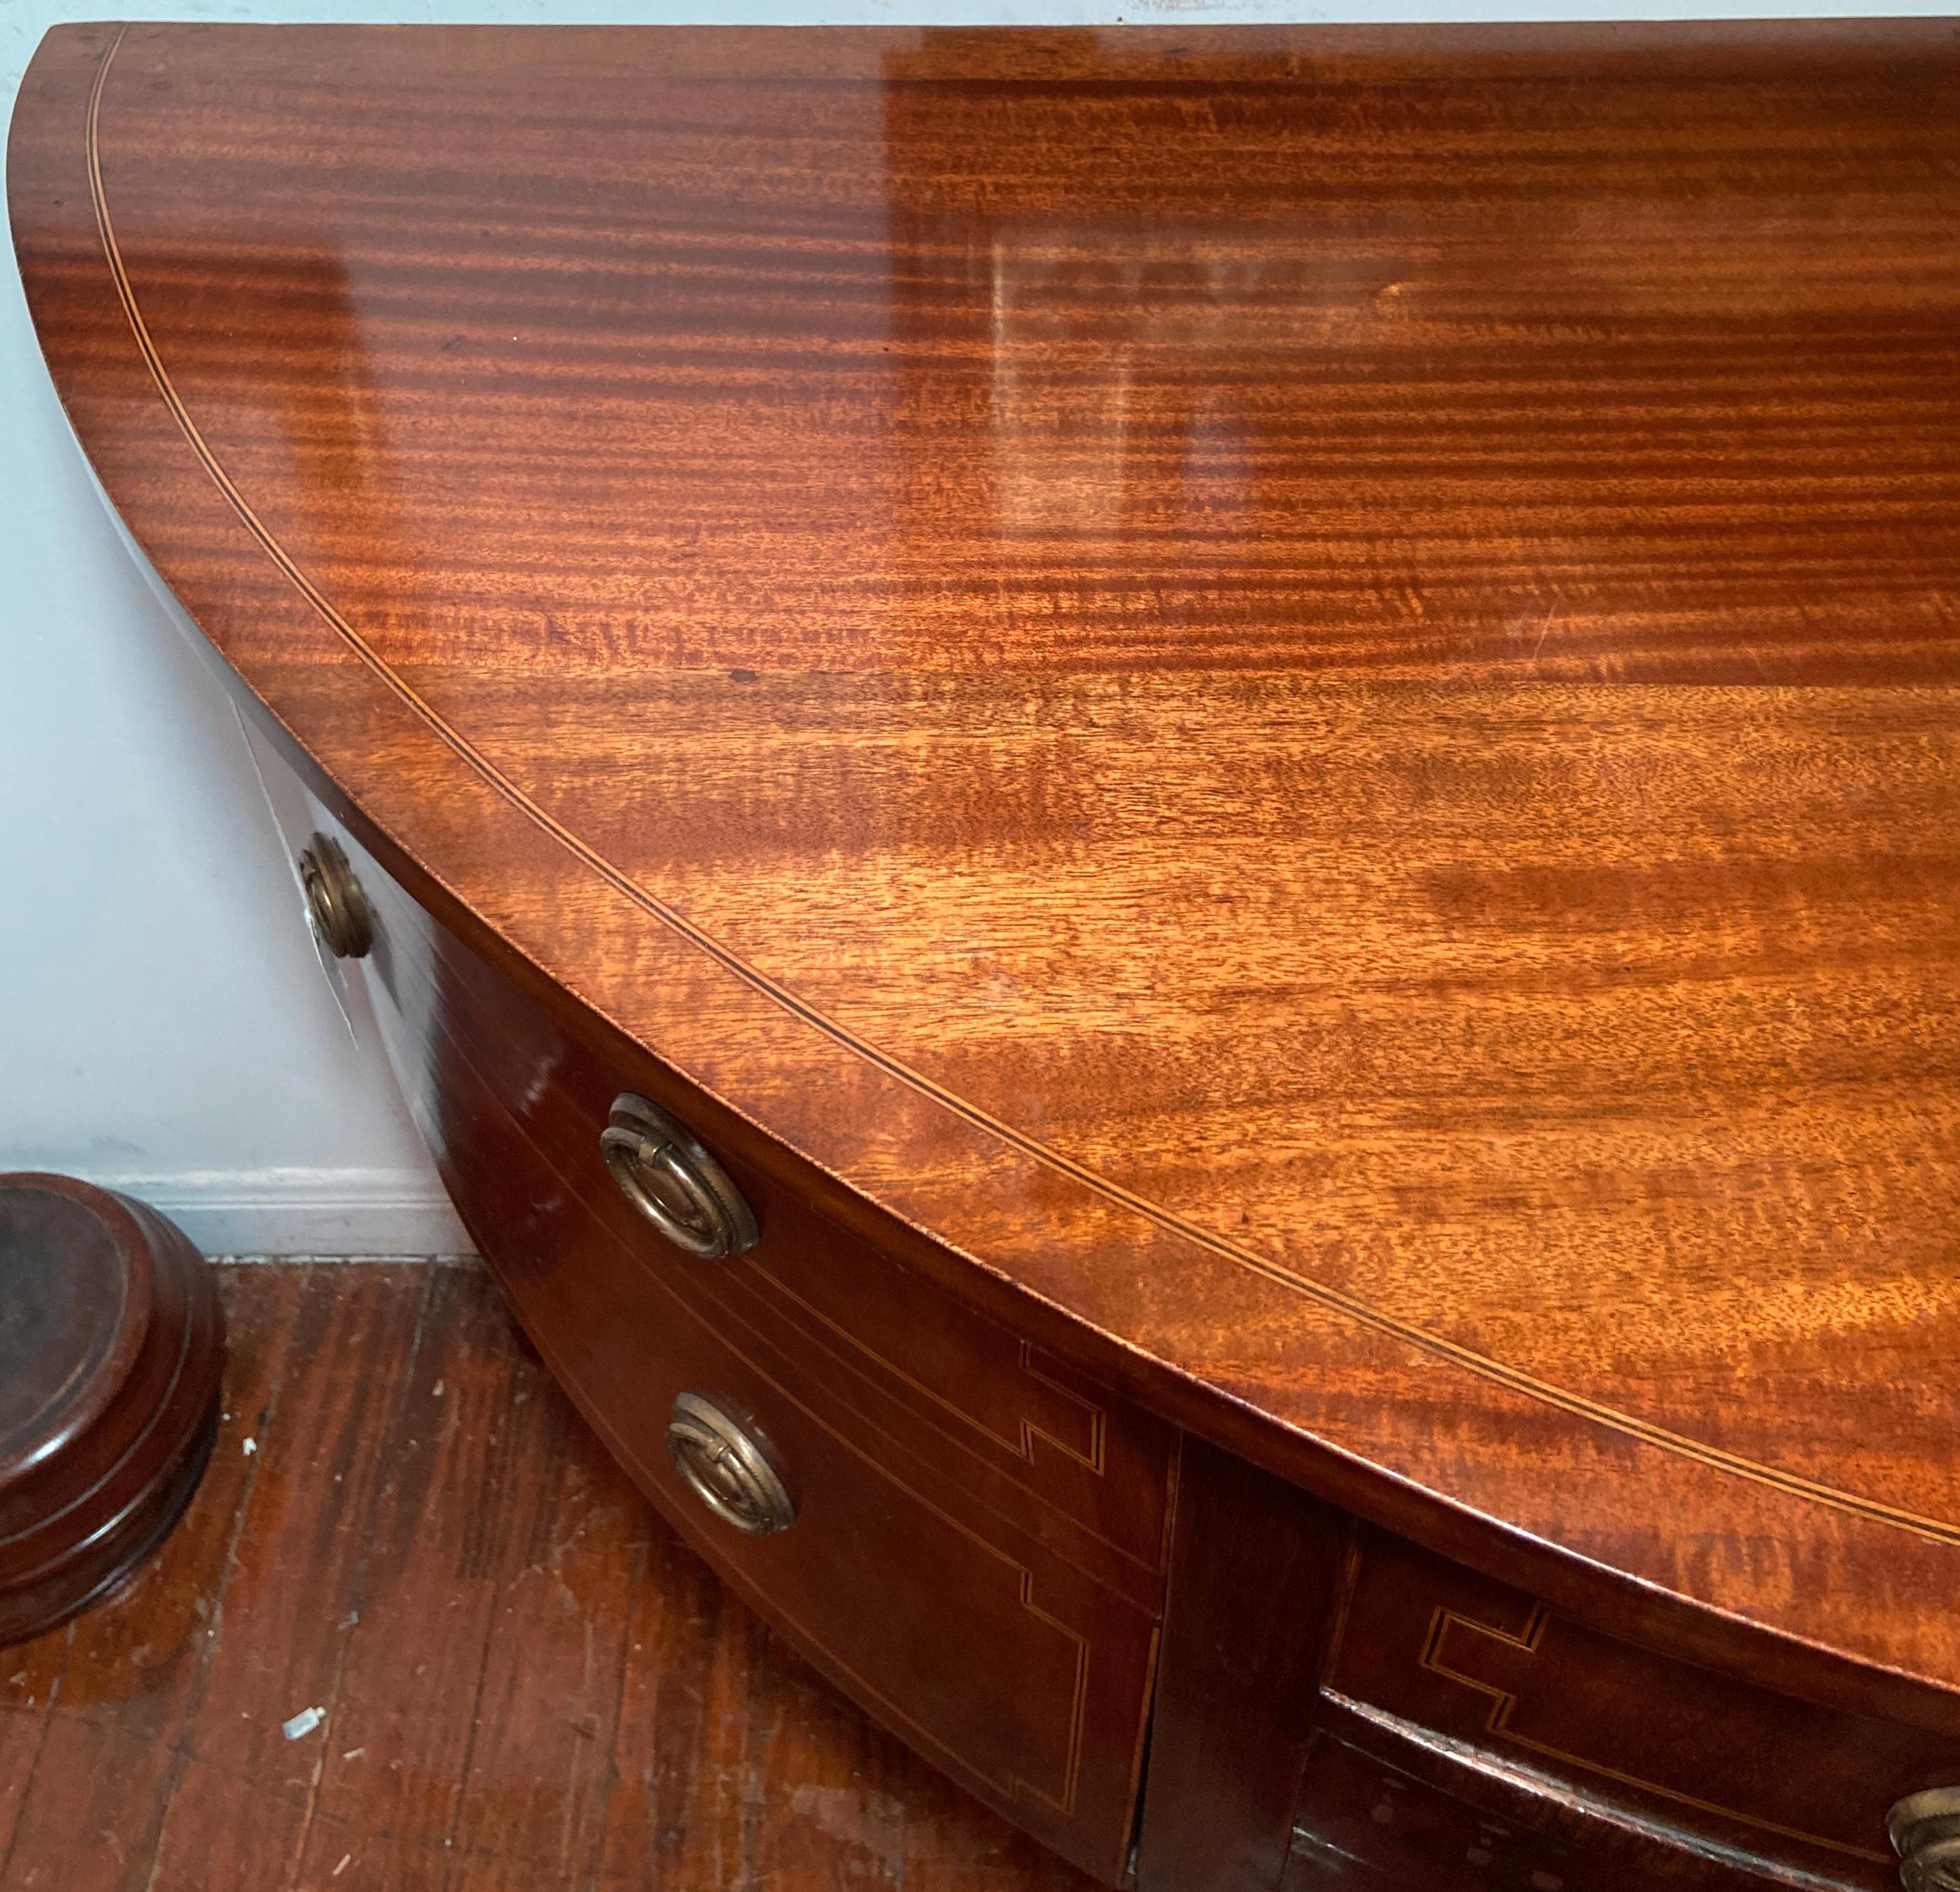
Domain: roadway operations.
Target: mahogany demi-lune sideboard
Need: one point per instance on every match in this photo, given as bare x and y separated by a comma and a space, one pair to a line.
1163, 829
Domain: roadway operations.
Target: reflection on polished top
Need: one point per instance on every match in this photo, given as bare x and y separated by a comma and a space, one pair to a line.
1298, 688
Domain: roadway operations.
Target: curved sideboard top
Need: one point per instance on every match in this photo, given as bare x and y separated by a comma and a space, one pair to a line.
1294, 690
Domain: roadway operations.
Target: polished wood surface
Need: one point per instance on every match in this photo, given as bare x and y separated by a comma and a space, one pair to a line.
978, 1550
528, 1682
1433, 1653
1335, 1703
111, 1346
1284, 700
981, 1407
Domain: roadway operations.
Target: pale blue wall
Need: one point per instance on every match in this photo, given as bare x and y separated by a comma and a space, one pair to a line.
162, 1020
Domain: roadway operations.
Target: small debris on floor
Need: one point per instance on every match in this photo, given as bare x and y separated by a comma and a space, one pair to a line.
303, 1724
250, 1447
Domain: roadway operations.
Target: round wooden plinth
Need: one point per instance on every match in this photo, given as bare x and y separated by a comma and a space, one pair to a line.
111, 1346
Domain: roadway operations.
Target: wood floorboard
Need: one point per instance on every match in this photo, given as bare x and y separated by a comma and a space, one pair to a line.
683, 1730
525, 1681
29, 1680
116, 1743
237, 1817
531, 1804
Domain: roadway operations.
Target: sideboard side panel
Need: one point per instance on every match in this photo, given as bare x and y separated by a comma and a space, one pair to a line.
1259, 1576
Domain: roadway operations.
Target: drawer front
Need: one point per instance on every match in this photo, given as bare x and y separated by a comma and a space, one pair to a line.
1378, 1809
1713, 1759
1022, 1673
1362, 1821
1044, 1445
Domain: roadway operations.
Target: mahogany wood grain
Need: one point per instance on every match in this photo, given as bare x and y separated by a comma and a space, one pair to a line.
990, 1411
1381, 1710
1285, 701
918, 1585
1493, 1674
618, 1720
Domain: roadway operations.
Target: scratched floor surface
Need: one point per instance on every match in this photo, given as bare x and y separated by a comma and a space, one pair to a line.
524, 1680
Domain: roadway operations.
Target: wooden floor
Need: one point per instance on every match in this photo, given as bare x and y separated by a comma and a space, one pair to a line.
525, 1681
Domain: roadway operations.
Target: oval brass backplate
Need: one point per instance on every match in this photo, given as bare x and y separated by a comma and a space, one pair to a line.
1925, 1830
727, 1465
338, 909
666, 1175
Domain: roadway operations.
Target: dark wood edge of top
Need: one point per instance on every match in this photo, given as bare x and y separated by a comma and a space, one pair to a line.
1606, 1599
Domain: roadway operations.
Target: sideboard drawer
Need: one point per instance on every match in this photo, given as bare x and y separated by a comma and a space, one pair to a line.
1364, 1821
1025, 1678
1492, 1671
956, 1561
1084, 1469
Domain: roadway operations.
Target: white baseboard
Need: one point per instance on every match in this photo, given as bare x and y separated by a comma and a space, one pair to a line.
309, 1212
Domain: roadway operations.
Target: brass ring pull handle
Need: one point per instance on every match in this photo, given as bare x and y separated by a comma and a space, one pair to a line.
673, 1182
335, 903
1925, 1830
726, 1466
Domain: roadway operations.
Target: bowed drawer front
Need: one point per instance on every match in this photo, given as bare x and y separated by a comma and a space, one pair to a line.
1494, 1687
965, 1533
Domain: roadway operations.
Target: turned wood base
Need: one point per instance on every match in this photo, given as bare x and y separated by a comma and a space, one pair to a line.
111, 1346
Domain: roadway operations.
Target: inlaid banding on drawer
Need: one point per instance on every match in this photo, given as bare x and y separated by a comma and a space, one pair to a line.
925, 1366
1440, 1648
1022, 1675
735, 1302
